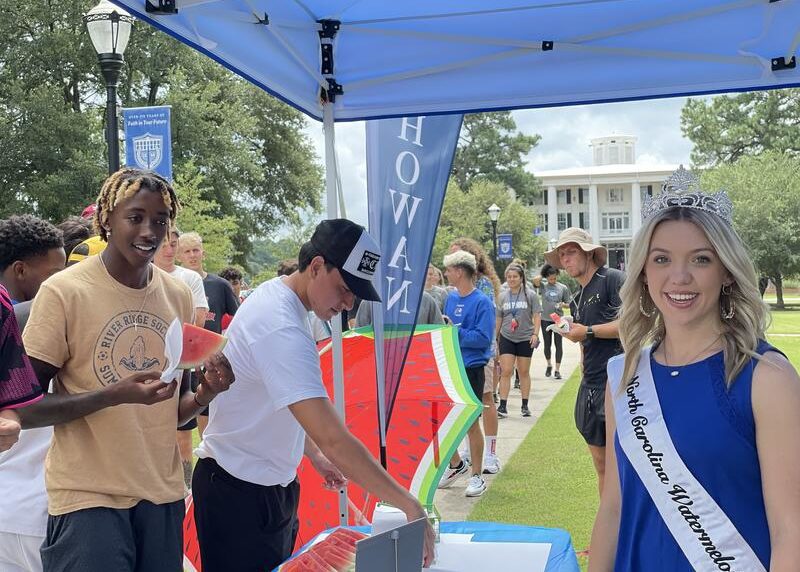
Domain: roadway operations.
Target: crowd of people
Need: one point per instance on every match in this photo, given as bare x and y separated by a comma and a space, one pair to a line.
697, 409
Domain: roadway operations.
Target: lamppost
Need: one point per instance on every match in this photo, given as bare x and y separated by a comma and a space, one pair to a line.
110, 29
494, 214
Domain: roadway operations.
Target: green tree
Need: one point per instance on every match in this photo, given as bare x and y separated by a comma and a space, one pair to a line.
726, 128
204, 216
491, 148
256, 163
765, 191
464, 214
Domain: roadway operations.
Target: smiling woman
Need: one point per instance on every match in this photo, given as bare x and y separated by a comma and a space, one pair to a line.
703, 409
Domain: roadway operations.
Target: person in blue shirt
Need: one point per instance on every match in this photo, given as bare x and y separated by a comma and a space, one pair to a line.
472, 313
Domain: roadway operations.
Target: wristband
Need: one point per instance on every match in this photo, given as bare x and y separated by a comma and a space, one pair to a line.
589, 332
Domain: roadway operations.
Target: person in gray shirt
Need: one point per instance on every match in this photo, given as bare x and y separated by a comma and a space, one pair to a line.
517, 330
555, 297
429, 312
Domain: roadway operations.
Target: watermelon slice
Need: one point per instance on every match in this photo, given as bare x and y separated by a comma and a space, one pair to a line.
334, 556
305, 562
198, 345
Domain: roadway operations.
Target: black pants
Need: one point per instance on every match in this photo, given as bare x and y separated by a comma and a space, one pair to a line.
549, 336
145, 538
242, 526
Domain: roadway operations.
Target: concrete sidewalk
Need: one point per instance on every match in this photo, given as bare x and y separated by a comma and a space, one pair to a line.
451, 502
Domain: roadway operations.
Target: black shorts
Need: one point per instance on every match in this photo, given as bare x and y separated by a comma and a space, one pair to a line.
519, 349
192, 423
144, 538
590, 414
477, 379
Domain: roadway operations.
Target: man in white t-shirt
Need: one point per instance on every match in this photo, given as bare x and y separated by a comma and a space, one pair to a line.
165, 260
245, 484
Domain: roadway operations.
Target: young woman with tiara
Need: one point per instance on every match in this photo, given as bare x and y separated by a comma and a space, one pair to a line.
702, 411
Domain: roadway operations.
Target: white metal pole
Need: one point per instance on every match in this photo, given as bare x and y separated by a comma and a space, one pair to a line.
336, 322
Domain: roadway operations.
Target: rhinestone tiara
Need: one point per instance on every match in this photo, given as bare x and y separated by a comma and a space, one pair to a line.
682, 189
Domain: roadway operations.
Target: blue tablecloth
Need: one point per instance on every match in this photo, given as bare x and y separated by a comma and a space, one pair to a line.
562, 556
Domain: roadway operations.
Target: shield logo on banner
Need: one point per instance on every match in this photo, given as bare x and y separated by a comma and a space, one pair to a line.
147, 150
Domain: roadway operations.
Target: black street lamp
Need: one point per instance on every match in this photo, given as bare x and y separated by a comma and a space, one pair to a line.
494, 214
110, 29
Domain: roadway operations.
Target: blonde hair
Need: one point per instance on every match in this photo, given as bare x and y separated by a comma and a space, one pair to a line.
741, 333
485, 266
190, 239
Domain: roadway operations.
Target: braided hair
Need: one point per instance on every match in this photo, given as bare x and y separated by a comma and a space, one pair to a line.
123, 185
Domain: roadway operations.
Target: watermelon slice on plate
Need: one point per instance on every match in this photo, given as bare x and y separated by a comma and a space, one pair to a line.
198, 345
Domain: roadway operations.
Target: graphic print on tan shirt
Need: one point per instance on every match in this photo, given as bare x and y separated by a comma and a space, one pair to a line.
90, 326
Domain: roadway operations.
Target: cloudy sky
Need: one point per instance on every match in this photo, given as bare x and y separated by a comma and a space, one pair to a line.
565, 140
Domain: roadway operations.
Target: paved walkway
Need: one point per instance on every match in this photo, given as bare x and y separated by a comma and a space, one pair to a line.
451, 502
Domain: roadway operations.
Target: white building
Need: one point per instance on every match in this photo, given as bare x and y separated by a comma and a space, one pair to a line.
605, 199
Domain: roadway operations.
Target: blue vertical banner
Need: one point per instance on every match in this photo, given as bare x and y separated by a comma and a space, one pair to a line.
408, 166
148, 139
505, 247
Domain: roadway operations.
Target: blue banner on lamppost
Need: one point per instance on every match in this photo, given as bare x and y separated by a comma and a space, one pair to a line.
148, 139
505, 251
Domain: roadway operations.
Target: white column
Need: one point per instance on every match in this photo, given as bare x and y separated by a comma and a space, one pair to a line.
594, 214
552, 212
636, 207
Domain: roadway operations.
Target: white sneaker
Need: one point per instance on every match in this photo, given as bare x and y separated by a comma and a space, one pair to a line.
491, 464
476, 486
451, 475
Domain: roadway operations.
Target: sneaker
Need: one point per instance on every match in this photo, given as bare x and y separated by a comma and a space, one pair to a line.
475, 487
557, 375
491, 464
526, 412
548, 371
502, 412
451, 474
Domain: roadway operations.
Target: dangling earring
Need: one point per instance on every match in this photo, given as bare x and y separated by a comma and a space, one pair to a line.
652, 312
727, 290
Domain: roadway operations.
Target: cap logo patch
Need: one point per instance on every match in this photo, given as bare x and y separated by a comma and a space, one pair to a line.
368, 262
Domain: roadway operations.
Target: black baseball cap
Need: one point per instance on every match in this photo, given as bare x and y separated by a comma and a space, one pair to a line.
352, 251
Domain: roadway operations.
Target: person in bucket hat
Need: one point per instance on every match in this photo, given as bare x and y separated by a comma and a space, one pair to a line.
594, 310
583, 240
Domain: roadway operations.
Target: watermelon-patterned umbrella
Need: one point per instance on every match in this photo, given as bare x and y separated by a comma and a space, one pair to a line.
433, 410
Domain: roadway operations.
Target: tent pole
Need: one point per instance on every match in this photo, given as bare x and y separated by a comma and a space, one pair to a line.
336, 323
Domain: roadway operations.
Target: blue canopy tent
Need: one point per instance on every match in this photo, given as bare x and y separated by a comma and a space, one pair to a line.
346, 60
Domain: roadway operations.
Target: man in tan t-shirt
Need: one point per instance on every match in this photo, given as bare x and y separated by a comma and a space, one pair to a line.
113, 473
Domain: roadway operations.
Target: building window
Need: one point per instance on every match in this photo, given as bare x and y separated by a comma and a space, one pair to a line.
561, 196
616, 223
545, 193
569, 196
569, 219
615, 195
544, 220
582, 192
583, 220
562, 221
646, 191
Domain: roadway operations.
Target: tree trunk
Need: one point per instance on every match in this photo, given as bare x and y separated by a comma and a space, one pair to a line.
778, 280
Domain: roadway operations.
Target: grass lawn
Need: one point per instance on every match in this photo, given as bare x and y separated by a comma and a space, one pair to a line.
550, 480
786, 322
